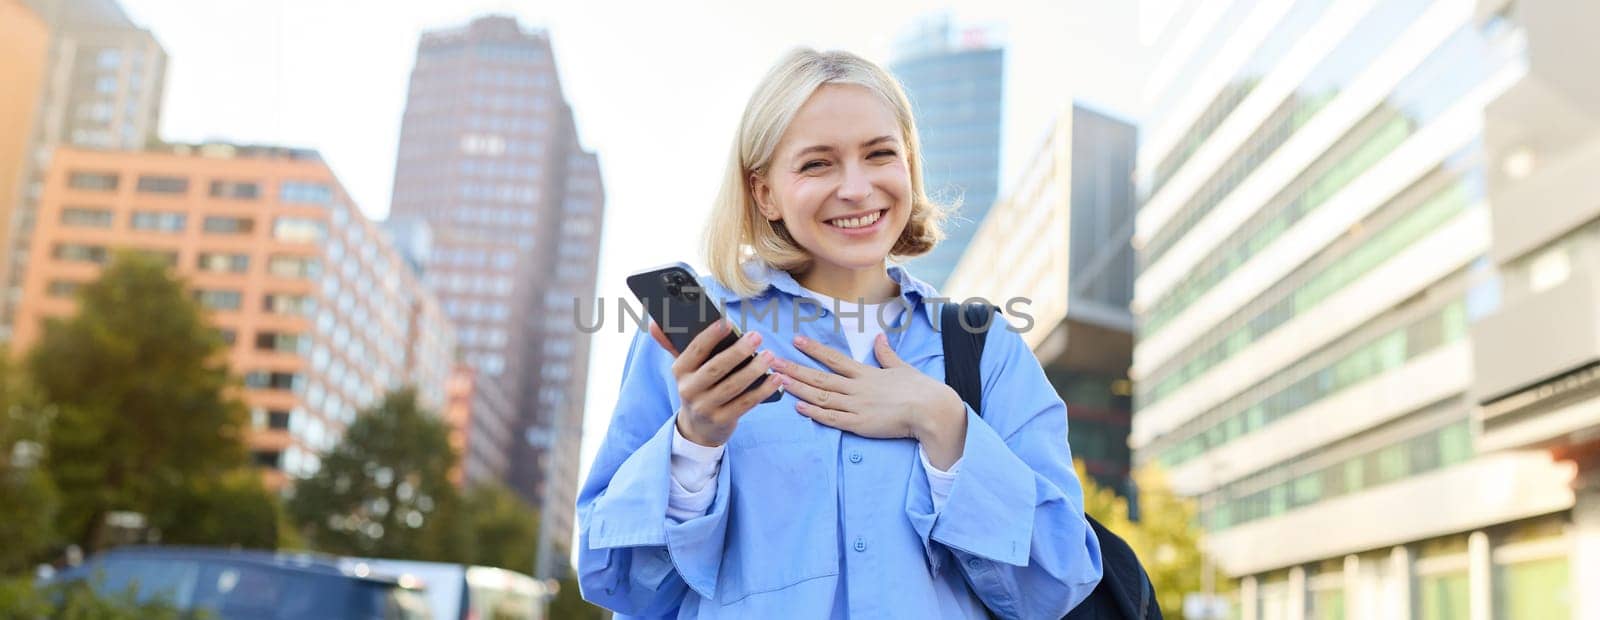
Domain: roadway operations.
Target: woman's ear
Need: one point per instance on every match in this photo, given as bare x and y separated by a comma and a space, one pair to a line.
762, 192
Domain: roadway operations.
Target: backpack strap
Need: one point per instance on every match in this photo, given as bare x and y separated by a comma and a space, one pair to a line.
963, 348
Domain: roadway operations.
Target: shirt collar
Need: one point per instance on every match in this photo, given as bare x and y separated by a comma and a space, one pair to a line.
913, 291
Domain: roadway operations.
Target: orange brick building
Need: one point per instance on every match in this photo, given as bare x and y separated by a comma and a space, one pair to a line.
24, 47
321, 312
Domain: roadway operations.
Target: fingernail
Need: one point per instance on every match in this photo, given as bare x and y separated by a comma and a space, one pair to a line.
753, 337
766, 356
784, 379
801, 340
777, 363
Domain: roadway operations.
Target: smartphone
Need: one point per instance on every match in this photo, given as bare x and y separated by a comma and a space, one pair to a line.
671, 294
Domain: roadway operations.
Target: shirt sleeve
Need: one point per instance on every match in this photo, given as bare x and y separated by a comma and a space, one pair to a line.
694, 473
632, 558
939, 480
1013, 523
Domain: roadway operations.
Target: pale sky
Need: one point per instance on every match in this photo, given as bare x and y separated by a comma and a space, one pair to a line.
656, 87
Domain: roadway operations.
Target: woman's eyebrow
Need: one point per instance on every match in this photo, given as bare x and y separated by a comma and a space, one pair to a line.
823, 148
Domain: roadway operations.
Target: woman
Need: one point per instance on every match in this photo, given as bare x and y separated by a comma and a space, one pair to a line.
869, 489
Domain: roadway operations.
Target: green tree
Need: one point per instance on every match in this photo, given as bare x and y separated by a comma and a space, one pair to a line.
235, 508
569, 604
145, 410
505, 530
1110, 509
27, 497
1166, 537
385, 490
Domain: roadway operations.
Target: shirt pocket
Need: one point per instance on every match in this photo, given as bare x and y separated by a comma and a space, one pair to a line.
783, 513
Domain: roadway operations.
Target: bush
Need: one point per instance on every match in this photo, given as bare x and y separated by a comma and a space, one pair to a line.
21, 598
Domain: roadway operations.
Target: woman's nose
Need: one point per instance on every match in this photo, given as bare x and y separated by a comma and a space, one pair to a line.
856, 186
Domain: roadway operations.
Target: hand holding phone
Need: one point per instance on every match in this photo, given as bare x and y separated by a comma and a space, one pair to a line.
720, 377
718, 389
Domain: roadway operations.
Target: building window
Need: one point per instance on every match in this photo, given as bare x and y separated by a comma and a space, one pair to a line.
86, 217
153, 184
223, 263
282, 343
89, 137
269, 380
80, 253
222, 224
558, 347
299, 230
63, 288
1533, 587
227, 336
491, 363
279, 303
218, 299
278, 420
298, 191
159, 221
294, 266
245, 190
551, 396
98, 181
266, 458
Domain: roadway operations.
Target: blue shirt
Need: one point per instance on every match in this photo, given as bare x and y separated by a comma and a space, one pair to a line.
813, 522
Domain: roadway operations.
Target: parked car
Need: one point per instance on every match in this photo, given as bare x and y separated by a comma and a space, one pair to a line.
459, 592
251, 585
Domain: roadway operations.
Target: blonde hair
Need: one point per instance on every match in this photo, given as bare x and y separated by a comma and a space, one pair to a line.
737, 232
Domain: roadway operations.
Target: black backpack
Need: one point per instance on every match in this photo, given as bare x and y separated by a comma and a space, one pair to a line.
1125, 591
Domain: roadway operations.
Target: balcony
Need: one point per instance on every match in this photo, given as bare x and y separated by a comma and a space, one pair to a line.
1537, 365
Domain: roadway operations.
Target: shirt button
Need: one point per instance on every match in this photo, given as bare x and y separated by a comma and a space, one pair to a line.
973, 563
861, 544
855, 456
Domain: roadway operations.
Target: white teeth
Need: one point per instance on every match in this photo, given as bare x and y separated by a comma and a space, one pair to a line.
857, 222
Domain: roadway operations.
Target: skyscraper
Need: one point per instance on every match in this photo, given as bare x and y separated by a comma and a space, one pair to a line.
1317, 267
102, 89
1057, 242
954, 81
489, 157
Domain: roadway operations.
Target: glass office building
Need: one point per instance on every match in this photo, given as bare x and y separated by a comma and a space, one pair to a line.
1324, 280
954, 80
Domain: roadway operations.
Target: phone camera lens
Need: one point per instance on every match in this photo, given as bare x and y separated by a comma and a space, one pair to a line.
673, 290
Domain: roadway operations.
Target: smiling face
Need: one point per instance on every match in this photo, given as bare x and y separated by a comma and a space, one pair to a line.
839, 179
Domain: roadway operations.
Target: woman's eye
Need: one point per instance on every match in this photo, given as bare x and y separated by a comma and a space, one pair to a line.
813, 164
883, 152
